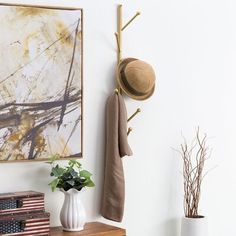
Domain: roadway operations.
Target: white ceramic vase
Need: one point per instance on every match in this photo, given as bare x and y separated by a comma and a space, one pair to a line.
72, 216
194, 227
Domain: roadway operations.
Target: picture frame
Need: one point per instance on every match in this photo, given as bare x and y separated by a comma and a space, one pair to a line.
41, 82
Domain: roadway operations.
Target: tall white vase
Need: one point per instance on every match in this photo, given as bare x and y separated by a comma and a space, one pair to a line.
194, 227
72, 216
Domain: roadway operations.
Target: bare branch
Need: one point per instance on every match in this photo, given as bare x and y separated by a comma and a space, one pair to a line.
194, 157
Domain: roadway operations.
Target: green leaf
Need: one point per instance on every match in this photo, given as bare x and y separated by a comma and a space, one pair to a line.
90, 184
78, 164
57, 171
71, 182
53, 184
85, 174
72, 163
73, 173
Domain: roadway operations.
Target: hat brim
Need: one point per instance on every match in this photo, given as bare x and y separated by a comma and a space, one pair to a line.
120, 82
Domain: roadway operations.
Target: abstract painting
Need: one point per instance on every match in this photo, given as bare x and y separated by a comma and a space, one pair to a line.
40, 83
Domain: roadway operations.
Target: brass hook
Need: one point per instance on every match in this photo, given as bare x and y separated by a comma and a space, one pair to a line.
129, 130
137, 14
135, 113
116, 91
117, 41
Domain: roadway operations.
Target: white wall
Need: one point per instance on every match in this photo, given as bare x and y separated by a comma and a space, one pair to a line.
192, 45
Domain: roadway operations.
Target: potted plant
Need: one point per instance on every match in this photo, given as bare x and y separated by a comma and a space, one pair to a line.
194, 157
70, 179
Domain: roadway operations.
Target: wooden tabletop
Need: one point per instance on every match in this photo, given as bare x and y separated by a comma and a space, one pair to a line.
91, 229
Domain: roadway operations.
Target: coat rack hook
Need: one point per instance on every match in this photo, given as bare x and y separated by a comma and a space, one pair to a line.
135, 113
117, 41
129, 130
136, 15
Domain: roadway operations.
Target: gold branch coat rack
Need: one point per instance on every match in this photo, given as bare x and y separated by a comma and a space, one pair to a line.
118, 35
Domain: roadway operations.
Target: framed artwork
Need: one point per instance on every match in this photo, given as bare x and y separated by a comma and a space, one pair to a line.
41, 82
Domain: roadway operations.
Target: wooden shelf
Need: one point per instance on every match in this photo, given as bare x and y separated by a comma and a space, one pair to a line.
91, 229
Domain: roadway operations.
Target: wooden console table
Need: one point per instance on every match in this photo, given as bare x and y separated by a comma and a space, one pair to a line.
91, 229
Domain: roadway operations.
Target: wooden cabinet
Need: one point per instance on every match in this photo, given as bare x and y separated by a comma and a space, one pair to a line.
91, 229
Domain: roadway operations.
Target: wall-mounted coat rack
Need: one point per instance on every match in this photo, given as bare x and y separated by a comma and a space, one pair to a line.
118, 35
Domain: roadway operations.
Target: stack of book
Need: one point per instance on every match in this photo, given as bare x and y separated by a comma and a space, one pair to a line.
23, 213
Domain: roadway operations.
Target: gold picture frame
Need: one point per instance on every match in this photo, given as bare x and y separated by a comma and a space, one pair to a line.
41, 82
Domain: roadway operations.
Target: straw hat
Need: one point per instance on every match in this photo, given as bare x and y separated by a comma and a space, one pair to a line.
136, 78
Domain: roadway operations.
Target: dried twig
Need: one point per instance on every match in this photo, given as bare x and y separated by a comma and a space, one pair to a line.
194, 157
